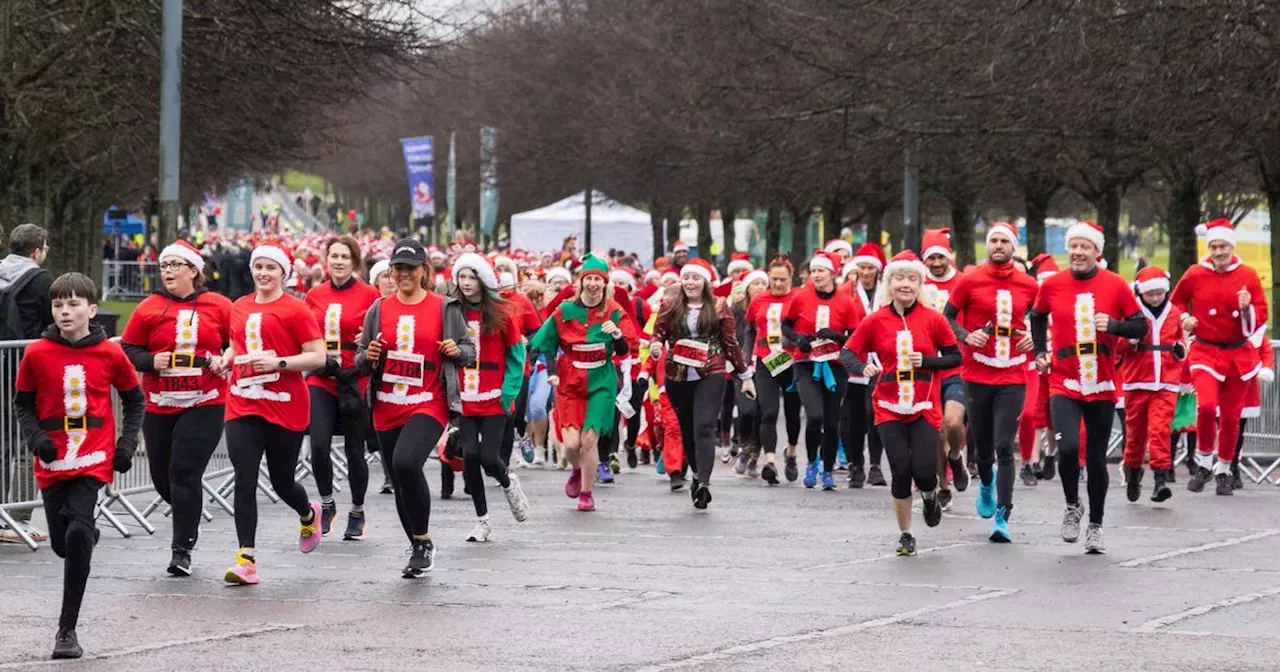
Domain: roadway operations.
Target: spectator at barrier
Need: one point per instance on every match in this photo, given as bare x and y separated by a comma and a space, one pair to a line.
21, 275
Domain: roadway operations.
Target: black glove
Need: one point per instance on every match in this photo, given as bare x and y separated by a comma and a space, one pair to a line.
331, 367
805, 344
42, 447
123, 461
831, 335
1179, 351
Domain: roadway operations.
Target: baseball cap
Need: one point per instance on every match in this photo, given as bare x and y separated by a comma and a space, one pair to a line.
408, 252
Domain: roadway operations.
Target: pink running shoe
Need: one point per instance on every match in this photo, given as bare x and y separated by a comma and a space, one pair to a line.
309, 533
586, 502
244, 573
573, 487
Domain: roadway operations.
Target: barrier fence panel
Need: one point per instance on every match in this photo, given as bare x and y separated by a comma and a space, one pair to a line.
126, 280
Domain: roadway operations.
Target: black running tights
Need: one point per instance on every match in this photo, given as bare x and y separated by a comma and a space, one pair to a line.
822, 412
408, 447
324, 422
179, 446
248, 439
913, 455
1066, 414
480, 437
69, 507
697, 406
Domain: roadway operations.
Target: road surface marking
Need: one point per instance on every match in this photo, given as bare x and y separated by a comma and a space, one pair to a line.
1157, 623
156, 646
1178, 552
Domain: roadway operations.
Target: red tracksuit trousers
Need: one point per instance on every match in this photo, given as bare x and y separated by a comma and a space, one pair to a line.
1218, 407
1147, 418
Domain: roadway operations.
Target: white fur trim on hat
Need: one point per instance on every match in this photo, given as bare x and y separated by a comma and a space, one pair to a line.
1152, 285
559, 272
483, 270
652, 275
903, 265
822, 261
753, 276
850, 267
378, 269
185, 253
1083, 230
1217, 234
938, 249
838, 245
1000, 228
697, 269
867, 259
272, 253
621, 277
739, 265
506, 279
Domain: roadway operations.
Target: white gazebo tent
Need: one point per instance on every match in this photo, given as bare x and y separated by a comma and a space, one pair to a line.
613, 225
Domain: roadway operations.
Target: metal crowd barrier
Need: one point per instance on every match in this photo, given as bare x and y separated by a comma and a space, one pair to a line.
126, 280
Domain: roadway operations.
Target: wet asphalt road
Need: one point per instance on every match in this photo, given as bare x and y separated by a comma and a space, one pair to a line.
766, 579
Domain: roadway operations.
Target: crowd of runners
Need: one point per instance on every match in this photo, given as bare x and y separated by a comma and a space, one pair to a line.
497, 363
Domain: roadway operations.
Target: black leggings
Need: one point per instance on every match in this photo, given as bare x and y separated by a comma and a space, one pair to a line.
822, 410
324, 422
248, 439
178, 450
480, 437
515, 422
697, 406
69, 507
858, 427
748, 420
607, 444
639, 388
913, 455
407, 448
728, 397
1098, 415
994, 411
768, 389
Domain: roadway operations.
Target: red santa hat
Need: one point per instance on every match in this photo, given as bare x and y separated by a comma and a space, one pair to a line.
184, 251
621, 276
652, 275
1005, 230
559, 272
870, 253
1219, 230
480, 266
1088, 231
1045, 265
679, 246
850, 267
740, 262
837, 245
700, 267
273, 251
905, 261
937, 241
754, 276
827, 260
1150, 279
669, 274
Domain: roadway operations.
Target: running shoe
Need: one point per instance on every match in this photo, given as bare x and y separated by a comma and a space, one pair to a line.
1071, 522
327, 513
875, 476
1000, 527
1199, 479
1222, 483
986, 502
180, 562
243, 573
959, 474
1028, 475
308, 533
791, 471
658, 466
387, 488
422, 558
677, 481
1093, 540
646, 457
66, 646
603, 474
828, 480
769, 473
632, 459
932, 509
842, 462
1132, 482
516, 499
586, 502
1161, 492
526, 451
355, 527
740, 465
906, 545
480, 533
539, 456
811, 475
944, 499
1048, 468
615, 467
857, 477
573, 487
1237, 483
725, 455
701, 497
753, 470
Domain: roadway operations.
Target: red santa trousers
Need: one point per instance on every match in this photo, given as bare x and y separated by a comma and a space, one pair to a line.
1147, 417
1218, 407
669, 430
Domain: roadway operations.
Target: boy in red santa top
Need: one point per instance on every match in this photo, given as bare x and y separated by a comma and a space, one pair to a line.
1089, 308
1224, 304
941, 280
1151, 371
908, 347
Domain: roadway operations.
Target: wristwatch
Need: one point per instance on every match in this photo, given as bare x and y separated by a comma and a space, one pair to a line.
281, 364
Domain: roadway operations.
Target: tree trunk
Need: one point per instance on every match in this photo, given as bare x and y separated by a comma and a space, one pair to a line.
962, 234
655, 225
703, 215
673, 226
799, 234
833, 217
772, 234
875, 222
1269, 177
1107, 204
1184, 216
728, 216
1037, 203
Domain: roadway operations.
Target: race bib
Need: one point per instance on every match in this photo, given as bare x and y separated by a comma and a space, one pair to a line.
690, 352
246, 376
181, 383
824, 350
777, 362
403, 368
589, 355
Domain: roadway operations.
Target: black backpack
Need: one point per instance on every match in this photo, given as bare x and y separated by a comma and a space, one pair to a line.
10, 320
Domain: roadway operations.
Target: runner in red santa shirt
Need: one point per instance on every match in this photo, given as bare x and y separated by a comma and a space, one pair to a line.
988, 312
914, 345
338, 307
1089, 308
941, 280
1224, 304
774, 370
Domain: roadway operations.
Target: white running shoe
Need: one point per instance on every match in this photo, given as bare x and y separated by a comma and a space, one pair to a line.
516, 499
539, 456
1071, 522
1093, 540
481, 532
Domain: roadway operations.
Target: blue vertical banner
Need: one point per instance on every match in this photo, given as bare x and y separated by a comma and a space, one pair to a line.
240, 206
488, 179
453, 185
419, 164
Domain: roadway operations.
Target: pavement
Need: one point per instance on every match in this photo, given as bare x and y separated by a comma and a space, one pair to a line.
778, 578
